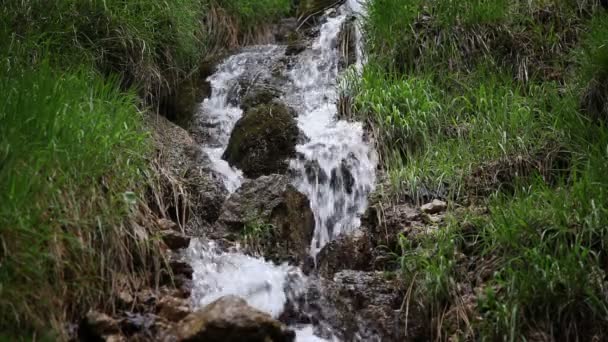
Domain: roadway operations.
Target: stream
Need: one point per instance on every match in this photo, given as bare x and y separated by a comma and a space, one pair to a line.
335, 165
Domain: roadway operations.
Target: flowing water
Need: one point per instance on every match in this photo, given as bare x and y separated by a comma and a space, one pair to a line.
335, 166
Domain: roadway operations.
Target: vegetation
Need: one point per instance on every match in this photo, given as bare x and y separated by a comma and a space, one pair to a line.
77, 77
501, 108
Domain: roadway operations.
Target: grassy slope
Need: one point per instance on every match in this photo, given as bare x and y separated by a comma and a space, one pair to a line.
72, 147
498, 105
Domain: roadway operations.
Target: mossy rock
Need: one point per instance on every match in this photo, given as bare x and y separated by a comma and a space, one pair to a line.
259, 96
263, 140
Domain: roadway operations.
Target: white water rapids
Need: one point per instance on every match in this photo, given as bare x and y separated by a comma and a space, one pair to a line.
335, 167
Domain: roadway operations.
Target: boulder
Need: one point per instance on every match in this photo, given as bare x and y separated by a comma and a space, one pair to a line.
346, 252
386, 225
260, 95
174, 240
263, 140
434, 207
230, 319
366, 306
97, 326
272, 200
188, 190
348, 43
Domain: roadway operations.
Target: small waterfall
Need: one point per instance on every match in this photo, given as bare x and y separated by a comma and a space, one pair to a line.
220, 112
335, 167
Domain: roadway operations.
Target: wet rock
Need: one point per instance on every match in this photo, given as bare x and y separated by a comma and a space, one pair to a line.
273, 200
179, 102
366, 306
263, 141
434, 207
140, 327
97, 326
189, 191
352, 252
314, 173
296, 44
173, 309
181, 268
347, 40
342, 178
259, 95
174, 240
230, 319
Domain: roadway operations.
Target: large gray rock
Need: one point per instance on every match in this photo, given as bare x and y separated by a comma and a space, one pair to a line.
365, 306
230, 319
188, 190
263, 140
347, 252
272, 200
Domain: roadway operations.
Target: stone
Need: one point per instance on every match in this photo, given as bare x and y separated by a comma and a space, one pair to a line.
174, 240
125, 298
366, 306
189, 192
230, 319
263, 140
347, 251
173, 309
116, 338
181, 268
273, 200
97, 325
434, 207
166, 224
260, 95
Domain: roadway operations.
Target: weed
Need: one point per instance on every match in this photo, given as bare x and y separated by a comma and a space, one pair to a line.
500, 105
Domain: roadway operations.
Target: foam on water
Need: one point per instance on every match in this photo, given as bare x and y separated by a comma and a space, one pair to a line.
219, 113
263, 285
335, 167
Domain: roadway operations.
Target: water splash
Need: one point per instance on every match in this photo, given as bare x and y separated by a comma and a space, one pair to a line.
263, 285
219, 113
336, 167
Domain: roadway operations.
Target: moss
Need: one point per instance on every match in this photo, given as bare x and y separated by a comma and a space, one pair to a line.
259, 96
262, 140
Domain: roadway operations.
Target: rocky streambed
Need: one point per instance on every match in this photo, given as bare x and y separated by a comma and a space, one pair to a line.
273, 235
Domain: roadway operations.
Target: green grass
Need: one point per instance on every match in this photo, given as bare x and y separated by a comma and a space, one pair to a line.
147, 43
501, 108
150, 44
73, 151
254, 12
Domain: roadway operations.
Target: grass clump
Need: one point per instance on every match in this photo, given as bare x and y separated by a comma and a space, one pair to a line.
71, 153
74, 166
147, 43
500, 108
